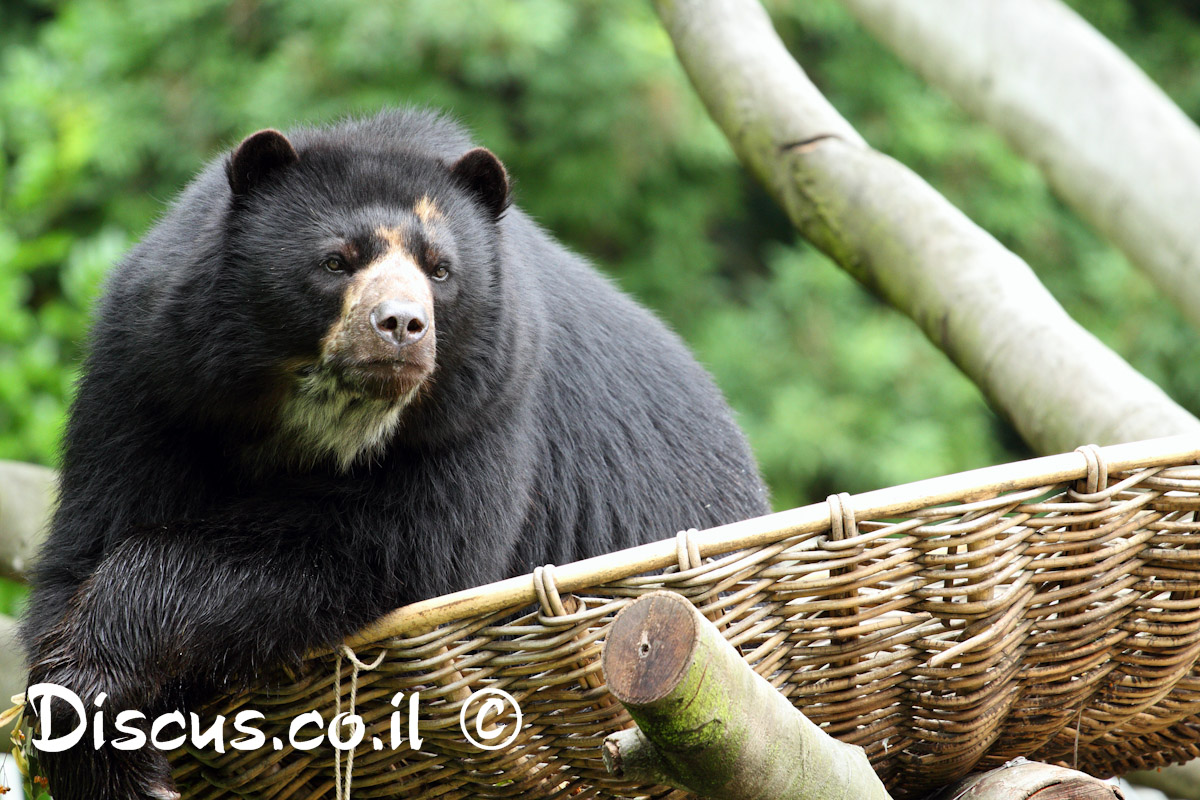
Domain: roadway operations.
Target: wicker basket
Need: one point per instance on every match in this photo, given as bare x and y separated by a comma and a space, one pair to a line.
1048, 608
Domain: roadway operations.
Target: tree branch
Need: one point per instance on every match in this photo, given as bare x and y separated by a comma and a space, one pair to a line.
26, 498
1181, 781
1108, 140
1029, 780
12, 672
975, 300
708, 723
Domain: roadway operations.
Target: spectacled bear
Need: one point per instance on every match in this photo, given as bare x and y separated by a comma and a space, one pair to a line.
343, 374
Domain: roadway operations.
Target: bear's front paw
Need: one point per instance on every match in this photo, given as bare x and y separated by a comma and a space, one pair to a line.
150, 775
156, 782
162, 793
106, 774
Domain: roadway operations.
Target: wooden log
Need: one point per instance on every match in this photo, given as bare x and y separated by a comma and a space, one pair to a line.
708, 723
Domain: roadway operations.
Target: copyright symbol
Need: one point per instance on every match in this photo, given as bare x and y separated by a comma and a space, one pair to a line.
487, 723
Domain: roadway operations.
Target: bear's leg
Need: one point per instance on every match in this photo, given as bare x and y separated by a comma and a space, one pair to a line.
170, 614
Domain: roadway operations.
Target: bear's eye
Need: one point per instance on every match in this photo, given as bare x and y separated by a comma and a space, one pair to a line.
441, 271
334, 264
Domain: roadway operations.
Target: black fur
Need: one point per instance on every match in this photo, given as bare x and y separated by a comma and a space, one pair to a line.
562, 421
256, 158
483, 175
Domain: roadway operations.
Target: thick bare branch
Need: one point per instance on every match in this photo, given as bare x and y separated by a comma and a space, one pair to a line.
1181, 781
1109, 141
12, 672
1029, 780
977, 301
26, 497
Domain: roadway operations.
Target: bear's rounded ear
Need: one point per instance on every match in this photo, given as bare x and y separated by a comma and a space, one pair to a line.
259, 155
482, 174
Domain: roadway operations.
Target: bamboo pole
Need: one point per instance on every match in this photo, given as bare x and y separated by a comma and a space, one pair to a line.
881, 503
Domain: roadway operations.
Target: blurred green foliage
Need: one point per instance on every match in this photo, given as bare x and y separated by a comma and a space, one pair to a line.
11, 596
107, 107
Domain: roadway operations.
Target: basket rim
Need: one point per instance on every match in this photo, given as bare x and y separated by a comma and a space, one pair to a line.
427, 615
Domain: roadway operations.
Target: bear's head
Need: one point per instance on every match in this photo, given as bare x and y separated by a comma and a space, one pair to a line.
353, 266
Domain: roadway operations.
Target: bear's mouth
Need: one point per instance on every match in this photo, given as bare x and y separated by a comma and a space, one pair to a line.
385, 380
381, 380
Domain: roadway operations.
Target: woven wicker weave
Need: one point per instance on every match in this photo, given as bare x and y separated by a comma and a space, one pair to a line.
1049, 608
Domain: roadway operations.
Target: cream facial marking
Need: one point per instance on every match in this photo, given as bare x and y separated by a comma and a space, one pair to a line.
393, 236
427, 211
395, 274
324, 415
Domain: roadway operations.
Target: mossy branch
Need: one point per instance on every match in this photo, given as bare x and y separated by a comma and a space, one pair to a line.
708, 723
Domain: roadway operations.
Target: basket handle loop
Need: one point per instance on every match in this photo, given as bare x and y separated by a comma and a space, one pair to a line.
687, 551
1097, 469
842, 524
547, 592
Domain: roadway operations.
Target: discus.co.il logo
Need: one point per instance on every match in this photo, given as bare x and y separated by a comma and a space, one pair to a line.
490, 719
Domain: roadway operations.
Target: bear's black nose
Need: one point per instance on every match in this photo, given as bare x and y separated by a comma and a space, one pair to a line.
400, 323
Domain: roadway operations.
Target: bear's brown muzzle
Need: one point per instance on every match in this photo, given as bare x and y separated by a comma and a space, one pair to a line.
384, 342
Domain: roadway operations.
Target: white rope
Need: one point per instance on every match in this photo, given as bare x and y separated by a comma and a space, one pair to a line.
341, 787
